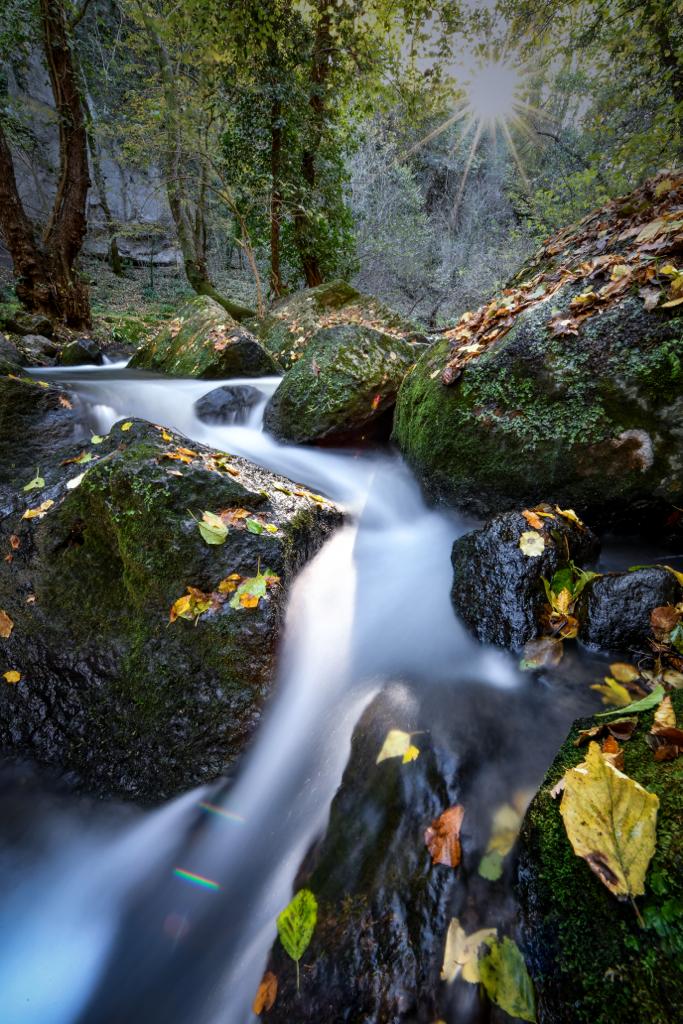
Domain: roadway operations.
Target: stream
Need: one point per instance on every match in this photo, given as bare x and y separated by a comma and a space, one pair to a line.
114, 915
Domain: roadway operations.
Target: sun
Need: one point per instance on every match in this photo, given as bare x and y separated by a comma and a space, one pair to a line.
493, 93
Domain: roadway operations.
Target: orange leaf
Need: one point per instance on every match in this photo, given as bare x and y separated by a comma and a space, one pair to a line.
532, 519
442, 838
267, 993
6, 625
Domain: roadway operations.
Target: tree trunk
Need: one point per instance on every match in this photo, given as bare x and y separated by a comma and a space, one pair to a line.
46, 281
101, 186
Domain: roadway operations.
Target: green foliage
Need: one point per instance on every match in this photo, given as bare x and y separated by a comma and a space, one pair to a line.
296, 924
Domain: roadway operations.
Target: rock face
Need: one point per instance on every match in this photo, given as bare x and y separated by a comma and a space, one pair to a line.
37, 350
204, 341
293, 322
111, 692
614, 610
591, 961
30, 323
229, 404
81, 351
382, 909
577, 390
498, 589
345, 381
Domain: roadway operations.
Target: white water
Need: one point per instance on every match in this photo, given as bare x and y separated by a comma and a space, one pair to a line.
99, 929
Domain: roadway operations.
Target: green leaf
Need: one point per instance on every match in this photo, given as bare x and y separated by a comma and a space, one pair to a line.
296, 924
251, 590
212, 528
253, 526
506, 980
36, 483
491, 866
651, 701
96, 439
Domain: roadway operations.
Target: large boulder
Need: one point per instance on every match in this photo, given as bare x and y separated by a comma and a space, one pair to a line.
614, 609
595, 959
569, 383
112, 691
204, 341
341, 387
81, 351
498, 587
293, 321
23, 322
37, 350
230, 404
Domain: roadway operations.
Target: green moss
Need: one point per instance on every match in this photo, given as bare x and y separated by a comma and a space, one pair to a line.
591, 960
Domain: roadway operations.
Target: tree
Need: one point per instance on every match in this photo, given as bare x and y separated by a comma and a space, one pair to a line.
44, 258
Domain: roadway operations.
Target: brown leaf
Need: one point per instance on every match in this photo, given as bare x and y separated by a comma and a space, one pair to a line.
622, 728
612, 752
6, 625
266, 994
533, 519
14, 542
665, 716
442, 838
665, 618
63, 401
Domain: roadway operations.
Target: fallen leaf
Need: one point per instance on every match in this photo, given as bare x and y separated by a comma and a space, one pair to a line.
613, 692
665, 716
14, 542
442, 838
665, 618
650, 297
645, 704
546, 651
266, 994
506, 980
461, 953
6, 625
96, 439
127, 425
251, 590
38, 513
505, 826
212, 528
610, 821
75, 481
397, 744
65, 403
570, 514
78, 459
532, 544
624, 673
191, 605
296, 924
411, 754
36, 483
612, 752
12, 676
621, 728
533, 519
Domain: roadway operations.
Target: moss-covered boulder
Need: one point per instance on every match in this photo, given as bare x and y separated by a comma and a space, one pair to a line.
81, 351
204, 341
293, 321
112, 690
569, 384
341, 388
591, 958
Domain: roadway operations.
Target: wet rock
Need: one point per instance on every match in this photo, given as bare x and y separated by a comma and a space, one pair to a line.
341, 388
590, 417
614, 610
81, 351
591, 960
293, 322
36, 350
9, 353
204, 341
382, 908
111, 692
229, 404
29, 323
498, 589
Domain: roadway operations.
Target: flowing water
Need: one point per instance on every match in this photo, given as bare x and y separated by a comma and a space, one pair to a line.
100, 923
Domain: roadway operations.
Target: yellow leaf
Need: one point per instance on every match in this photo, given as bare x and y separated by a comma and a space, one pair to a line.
611, 823
396, 744
38, 513
570, 514
672, 302
12, 676
6, 625
613, 692
532, 544
621, 270
665, 716
461, 953
127, 425
249, 600
411, 754
651, 230
624, 673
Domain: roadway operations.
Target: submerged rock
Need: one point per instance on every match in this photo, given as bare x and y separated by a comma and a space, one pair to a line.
382, 908
498, 589
111, 691
614, 610
340, 388
204, 341
81, 351
291, 324
577, 390
229, 404
591, 959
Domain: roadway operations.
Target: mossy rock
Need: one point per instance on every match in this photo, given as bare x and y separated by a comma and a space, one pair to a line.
591, 960
589, 421
293, 321
113, 693
204, 341
340, 389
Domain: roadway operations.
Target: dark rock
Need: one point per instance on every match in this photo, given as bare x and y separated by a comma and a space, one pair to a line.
204, 341
30, 323
591, 960
9, 353
36, 350
293, 321
614, 610
229, 404
497, 589
81, 351
110, 691
345, 381
382, 908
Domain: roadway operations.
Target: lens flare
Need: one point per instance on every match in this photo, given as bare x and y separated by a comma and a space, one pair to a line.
198, 880
493, 92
